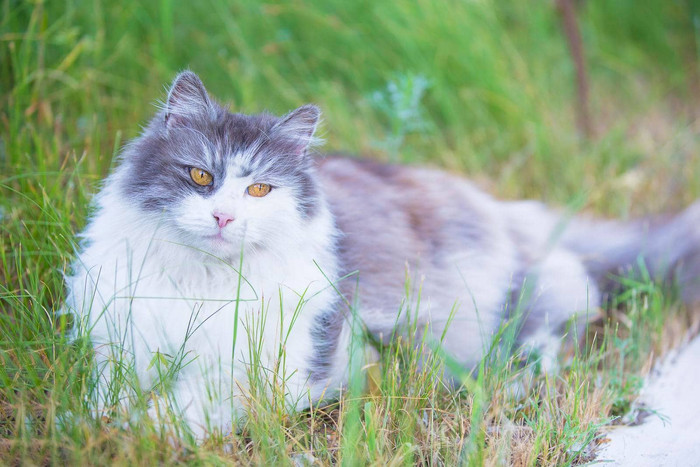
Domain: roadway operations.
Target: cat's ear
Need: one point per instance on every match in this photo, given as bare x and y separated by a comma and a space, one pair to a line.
299, 126
187, 99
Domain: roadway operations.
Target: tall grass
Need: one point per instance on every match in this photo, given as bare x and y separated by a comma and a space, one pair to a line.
77, 78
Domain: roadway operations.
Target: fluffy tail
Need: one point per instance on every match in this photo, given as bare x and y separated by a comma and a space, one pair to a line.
668, 248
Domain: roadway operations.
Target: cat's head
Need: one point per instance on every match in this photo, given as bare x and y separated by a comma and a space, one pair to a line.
215, 179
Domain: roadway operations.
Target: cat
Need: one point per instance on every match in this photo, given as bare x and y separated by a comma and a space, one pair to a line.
219, 239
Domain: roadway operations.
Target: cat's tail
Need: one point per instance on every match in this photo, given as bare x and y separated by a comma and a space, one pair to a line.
667, 248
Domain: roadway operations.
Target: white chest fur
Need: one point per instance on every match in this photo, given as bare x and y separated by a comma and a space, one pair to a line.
146, 299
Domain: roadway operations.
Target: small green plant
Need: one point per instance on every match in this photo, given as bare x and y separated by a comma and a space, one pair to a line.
400, 104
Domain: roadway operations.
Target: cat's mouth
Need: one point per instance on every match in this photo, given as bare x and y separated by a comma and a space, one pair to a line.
217, 238
223, 238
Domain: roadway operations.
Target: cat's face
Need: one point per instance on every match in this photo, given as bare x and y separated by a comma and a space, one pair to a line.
217, 180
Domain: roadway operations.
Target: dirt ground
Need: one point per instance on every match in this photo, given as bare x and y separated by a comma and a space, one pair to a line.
670, 435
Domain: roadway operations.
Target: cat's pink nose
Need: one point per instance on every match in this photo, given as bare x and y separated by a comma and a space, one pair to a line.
222, 218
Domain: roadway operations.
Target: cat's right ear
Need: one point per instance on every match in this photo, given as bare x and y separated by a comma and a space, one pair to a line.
299, 126
187, 99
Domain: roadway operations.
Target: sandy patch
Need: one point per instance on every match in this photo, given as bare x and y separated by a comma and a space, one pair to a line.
671, 436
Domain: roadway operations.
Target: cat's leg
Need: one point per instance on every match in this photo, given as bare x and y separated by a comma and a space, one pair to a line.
556, 300
465, 336
105, 376
196, 403
116, 388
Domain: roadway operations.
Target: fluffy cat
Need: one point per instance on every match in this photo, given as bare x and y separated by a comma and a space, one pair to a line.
219, 240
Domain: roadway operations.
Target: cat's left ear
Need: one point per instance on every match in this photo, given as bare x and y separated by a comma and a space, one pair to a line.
187, 99
299, 126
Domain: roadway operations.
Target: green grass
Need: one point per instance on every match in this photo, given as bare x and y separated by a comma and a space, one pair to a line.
483, 88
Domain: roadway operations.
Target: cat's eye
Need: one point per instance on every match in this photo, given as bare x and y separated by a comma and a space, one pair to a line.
259, 189
201, 177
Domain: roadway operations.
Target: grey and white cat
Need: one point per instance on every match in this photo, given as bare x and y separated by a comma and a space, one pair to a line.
219, 229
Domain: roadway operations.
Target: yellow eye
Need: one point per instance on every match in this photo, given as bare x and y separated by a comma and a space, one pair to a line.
259, 189
201, 177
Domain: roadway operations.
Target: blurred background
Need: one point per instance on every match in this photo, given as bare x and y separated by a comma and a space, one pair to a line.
487, 88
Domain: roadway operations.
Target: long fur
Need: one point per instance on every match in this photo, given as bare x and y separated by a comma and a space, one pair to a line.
156, 275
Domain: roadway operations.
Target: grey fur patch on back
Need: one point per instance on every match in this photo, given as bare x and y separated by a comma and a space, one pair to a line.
395, 220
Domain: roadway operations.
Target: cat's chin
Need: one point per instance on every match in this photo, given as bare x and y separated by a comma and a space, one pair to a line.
217, 238
221, 246
219, 243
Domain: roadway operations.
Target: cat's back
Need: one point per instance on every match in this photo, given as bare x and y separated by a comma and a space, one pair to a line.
397, 218
428, 210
